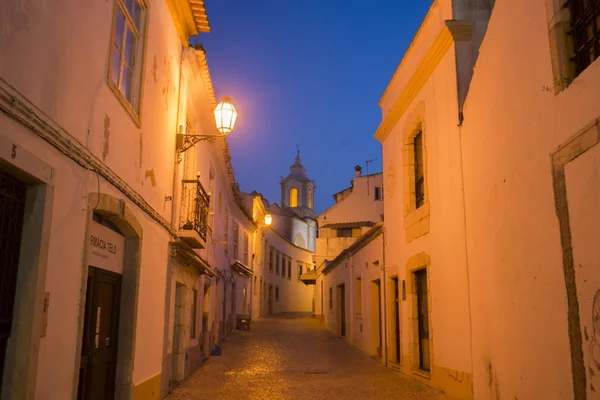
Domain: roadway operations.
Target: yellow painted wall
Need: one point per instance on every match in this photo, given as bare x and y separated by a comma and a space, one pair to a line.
148, 390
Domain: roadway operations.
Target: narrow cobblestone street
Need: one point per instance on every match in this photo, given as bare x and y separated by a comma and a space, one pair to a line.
293, 357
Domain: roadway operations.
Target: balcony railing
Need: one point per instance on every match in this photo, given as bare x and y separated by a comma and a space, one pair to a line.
194, 210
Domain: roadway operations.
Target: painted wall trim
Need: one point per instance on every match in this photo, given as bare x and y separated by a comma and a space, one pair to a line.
575, 146
17, 107
436, 52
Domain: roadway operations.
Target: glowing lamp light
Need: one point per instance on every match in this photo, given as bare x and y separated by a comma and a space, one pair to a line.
268, 219
225, 116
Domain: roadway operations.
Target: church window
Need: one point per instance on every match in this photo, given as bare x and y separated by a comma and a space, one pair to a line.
310, 198
293, 197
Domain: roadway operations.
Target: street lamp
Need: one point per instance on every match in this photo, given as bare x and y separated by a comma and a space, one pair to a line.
225, 117
268, 219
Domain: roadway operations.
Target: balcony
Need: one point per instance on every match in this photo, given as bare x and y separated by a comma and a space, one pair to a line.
194, 214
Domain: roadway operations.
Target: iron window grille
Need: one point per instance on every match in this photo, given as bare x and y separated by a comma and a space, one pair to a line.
419, 176
585, 32
194, 213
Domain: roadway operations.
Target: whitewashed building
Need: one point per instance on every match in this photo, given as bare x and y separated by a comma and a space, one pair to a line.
94, 187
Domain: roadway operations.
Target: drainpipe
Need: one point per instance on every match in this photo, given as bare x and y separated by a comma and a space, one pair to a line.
385, 332
176, 178
462, 181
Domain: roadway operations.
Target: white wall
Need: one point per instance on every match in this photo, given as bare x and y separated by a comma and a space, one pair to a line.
518, 292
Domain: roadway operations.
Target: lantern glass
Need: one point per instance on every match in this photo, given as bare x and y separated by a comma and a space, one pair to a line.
225, 116
268, 219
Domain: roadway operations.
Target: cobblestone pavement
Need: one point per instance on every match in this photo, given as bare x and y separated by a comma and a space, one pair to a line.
294, 357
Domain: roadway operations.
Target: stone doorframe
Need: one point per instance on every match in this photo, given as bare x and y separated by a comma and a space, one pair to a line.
583, 141
21, 360
418, 262
116, 211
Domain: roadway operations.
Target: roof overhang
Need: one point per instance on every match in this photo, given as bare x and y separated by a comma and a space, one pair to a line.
241, 268
190, 18
187, 254
450, 32
309, 277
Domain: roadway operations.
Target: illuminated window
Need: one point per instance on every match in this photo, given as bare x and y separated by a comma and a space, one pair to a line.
125, 58
310, 198
293, 197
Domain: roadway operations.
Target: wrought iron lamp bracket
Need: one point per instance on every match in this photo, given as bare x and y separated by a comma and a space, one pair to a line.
186, 142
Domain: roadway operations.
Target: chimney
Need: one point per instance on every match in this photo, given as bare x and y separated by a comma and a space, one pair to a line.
357, 171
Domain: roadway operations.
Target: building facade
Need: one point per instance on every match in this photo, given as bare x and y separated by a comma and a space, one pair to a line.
425, 252
530, 155
111, 234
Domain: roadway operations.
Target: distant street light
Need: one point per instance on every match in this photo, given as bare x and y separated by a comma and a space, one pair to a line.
268, 219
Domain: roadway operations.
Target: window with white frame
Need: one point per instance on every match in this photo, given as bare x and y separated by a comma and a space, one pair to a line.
125, 59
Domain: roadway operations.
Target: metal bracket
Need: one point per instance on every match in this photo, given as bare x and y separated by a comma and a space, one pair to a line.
186, 142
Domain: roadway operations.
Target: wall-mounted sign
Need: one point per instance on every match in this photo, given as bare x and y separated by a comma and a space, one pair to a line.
105, 248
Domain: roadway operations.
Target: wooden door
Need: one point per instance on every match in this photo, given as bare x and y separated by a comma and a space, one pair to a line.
12, 208
423, 319
100, 333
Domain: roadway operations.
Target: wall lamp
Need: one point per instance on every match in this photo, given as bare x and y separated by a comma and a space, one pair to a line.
267, 221
225, 117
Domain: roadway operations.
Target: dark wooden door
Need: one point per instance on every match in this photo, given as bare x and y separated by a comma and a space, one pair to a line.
343, 309
100, 332
397, 317
423, 319
12, 208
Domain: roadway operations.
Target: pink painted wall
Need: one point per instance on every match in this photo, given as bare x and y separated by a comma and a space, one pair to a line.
518, 295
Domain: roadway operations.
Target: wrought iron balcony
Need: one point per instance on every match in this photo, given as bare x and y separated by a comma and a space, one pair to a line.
194, 213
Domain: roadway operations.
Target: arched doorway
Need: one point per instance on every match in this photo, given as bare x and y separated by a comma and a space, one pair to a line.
108, 303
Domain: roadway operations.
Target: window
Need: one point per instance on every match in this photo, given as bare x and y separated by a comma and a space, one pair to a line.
125, 58
345, 232
277, 265
378, 193
310, 198
330, 298
358, 296
271, 259
299, 271
419, 176
276, 293
246, 241
194, 319
289, 269
293, 197
254, 287
236, 230
282, 265
585, 32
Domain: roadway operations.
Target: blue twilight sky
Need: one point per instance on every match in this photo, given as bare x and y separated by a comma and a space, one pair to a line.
307, 73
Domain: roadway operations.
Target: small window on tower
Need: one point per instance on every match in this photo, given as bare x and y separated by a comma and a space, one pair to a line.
293, 197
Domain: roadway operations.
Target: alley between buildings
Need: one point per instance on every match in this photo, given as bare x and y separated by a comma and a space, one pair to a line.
292, 356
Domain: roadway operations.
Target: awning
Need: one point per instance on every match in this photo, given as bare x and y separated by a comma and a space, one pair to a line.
309, 277
241, 269
188, 254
